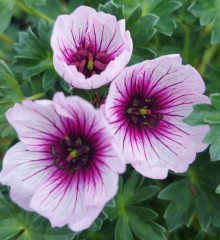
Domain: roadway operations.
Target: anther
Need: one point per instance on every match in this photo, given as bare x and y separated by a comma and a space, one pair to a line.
99, 65
53, 150
67, 139
82, 66
101, 55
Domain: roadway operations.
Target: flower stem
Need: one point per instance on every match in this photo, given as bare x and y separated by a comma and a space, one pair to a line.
208, 56
37, 96
33, 11
186, 41
5, 38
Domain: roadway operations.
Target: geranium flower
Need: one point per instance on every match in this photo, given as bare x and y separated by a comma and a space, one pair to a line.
90, 48
65, 167
145, 107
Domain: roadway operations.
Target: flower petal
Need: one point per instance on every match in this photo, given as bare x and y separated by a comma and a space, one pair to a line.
94, 125
86, 220
60, 199
25, 171
170, 143
86, 27
37, 126
69, 30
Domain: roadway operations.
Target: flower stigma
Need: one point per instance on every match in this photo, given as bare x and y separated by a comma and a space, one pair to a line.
144, 112
70, 154
88, 62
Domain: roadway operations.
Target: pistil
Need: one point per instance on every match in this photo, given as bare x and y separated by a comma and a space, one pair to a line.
89, 63
144, 112
70, 154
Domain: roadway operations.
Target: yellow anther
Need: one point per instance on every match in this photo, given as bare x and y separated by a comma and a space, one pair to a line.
67, 140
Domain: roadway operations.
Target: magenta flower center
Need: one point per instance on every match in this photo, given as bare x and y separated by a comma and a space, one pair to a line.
143, 112
70, 154
87, 60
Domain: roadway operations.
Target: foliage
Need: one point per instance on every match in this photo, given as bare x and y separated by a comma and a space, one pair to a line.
18, 224
187, 205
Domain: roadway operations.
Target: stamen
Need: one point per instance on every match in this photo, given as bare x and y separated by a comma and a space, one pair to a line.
53, 150
159, 116
144, 112
90, 47
81, 52
77, 143
82, 66
67, 140
99, 65
75, 64
101, 55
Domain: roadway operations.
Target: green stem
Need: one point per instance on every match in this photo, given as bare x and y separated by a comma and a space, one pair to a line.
5, 38
37, 96
186, 41
208, 56
33, 11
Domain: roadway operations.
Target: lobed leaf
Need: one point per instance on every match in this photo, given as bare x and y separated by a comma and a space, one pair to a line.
111, 8
194, 197
18, 224
208, 14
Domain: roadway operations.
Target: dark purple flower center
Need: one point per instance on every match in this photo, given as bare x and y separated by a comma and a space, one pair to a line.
88, 61
70, 154
143, 112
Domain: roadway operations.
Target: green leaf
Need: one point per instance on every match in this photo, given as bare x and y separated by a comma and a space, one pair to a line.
49, 79
208, 114
140, 54
145, 29
18, 224
208, 13
133, 193
142, 194
215, 38
35, 54
215, 100
134, 18
6, 10
10, 94
213, 138
122, 229
8, 82
203, 114
131, 185
142, 224
164, 10
113, 9
193, 195
97, 224
130, 216
31, 3
177, 214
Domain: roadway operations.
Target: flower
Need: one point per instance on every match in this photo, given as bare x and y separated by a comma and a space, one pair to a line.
65, 167
145, 108
90, 48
